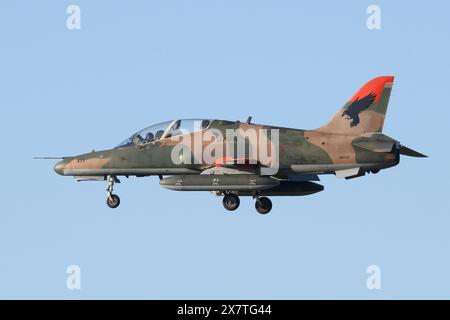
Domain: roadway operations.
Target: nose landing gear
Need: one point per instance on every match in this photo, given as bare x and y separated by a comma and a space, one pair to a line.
112, 200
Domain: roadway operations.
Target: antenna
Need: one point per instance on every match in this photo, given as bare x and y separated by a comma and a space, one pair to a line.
249, 120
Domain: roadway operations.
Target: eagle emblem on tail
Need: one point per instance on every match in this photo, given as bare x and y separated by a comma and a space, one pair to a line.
356, 107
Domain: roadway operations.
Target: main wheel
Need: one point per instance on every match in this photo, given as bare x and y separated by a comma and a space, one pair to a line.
113, 201
231, 202
263, 205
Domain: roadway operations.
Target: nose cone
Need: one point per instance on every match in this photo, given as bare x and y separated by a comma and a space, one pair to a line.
59, 168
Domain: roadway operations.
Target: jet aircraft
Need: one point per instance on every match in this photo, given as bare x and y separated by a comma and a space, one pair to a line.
232, 159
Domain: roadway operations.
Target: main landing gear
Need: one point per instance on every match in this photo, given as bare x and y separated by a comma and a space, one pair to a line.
231, 202
263, 205
112, 200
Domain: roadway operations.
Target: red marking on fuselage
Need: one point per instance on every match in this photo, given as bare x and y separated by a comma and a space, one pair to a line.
229, 160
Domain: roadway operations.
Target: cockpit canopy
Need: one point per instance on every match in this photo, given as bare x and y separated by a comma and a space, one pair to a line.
165, 130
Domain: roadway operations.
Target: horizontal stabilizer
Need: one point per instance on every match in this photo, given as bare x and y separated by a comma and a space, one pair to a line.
376, 146
411, 153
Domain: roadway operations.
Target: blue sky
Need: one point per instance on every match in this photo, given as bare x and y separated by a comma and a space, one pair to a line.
286, 63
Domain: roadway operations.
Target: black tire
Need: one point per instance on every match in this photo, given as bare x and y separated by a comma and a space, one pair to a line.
263, 205
113, 201
231, 202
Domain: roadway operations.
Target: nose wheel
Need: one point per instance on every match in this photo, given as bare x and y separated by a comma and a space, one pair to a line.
112, 200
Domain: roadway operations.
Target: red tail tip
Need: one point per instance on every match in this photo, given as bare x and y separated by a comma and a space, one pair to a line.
375, 86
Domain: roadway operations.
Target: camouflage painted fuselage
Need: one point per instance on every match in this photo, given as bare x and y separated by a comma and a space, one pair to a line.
300, 152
